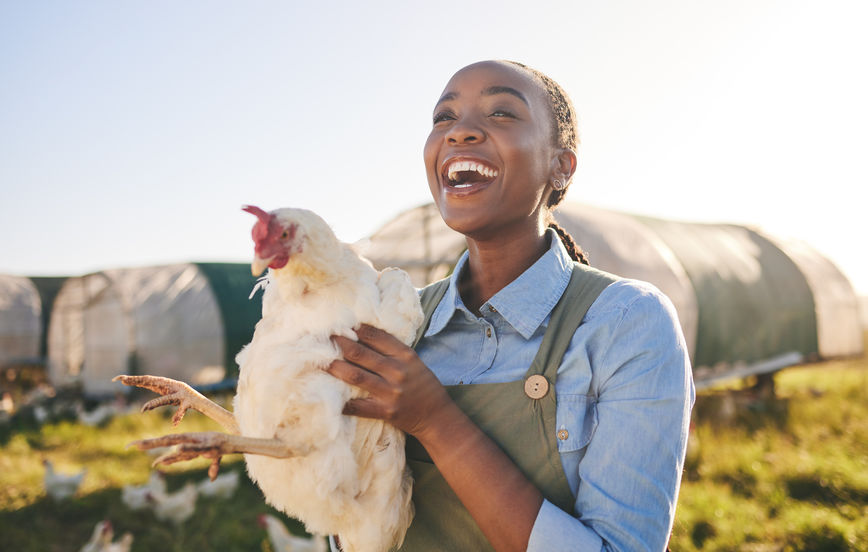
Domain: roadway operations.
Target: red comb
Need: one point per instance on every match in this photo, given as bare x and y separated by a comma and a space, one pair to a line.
254, 210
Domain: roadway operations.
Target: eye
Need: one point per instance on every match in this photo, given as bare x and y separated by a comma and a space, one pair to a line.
285, 235
441, 116
503, 113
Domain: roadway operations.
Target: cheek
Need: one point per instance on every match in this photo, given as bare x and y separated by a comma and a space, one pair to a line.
536, 159
429, 155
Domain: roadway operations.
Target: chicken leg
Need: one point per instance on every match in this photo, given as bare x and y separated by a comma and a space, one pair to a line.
214, 445
178, 393
207, 444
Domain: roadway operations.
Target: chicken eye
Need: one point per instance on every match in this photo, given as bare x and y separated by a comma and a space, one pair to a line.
284, 235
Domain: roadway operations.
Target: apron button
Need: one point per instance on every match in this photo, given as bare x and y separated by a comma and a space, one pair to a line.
536, 386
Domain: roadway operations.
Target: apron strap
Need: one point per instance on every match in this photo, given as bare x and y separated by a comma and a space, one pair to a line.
430, 297
585, 286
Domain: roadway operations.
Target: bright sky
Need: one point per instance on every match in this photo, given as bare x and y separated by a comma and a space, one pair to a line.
132, 132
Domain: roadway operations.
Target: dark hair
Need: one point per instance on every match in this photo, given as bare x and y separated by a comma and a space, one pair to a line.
565, 134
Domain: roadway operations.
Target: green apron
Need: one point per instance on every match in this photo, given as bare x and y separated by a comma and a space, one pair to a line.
519, 416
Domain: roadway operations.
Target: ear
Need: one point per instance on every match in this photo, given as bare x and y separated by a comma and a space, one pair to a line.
564, 164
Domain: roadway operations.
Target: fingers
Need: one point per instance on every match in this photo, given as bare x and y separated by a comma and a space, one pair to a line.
358, 377
380, 341
368, 358
369, 408
358, 353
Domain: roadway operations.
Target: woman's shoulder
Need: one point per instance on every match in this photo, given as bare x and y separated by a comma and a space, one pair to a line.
630, 298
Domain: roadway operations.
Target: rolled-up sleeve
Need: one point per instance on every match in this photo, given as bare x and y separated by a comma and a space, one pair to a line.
630, 473
558, 531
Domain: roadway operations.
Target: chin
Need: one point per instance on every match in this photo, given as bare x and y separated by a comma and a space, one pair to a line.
470, 225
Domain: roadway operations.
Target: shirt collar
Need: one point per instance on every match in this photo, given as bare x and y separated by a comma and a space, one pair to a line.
526, 302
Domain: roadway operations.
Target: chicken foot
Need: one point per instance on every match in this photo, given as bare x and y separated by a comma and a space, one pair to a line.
178, 393
214, 445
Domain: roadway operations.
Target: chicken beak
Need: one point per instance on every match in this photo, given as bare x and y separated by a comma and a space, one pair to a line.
259, 265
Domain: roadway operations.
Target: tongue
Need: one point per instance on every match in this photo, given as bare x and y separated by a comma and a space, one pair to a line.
469, 177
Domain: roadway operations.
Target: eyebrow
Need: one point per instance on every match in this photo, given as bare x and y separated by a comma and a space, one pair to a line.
490, 91
494, 90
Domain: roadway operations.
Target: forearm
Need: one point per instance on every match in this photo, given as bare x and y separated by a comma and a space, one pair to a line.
501, 500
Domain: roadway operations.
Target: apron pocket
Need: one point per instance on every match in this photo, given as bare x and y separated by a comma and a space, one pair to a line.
576, 422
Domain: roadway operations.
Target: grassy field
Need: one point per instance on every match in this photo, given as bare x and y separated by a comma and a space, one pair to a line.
788, 472
30, 521
763, 474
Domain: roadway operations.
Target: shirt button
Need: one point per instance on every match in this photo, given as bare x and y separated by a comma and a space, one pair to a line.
536, 386
491, 309
563, 434
487, 332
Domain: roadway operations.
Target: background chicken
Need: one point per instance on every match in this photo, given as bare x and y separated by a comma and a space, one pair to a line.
223, 486
337, 474
135, 497
60, 486
101, 540
175, 507
282, 540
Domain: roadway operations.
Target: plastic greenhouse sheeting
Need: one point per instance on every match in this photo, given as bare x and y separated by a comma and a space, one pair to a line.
754, 303
836, 303
20, 320
748, 302
419, 242
185, 321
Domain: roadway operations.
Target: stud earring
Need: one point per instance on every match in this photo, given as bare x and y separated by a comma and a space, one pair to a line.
558, 185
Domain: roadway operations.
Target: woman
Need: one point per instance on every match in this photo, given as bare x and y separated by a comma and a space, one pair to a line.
581, 450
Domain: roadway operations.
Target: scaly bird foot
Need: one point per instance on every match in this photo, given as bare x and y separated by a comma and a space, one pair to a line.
209, 444
214, 445
178, 393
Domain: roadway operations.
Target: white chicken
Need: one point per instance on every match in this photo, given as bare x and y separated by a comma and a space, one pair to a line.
222, 487
175, 507
60, 486
283, 541
135, 497
101, 539
338, 474
99, 416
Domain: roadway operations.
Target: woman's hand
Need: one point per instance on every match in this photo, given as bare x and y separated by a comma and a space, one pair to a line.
407, 394
402, 390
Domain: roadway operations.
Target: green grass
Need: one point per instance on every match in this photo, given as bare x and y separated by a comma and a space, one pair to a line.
782, 473
788, 473
31, 521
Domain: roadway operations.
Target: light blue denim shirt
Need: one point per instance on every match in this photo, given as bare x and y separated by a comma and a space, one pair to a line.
624, 394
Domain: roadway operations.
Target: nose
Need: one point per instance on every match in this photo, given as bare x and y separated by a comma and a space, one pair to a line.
464, 131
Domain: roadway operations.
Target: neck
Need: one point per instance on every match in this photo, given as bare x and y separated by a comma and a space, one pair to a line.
493, 264
305, 275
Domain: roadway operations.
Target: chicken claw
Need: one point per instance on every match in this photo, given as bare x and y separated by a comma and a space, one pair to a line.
213, 445
178, 393
210, 444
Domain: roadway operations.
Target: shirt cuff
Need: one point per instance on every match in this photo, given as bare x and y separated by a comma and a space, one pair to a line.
555, 530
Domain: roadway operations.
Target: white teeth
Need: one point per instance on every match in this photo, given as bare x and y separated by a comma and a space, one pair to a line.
462, 166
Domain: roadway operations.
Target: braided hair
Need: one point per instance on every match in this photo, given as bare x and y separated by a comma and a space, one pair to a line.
565, 135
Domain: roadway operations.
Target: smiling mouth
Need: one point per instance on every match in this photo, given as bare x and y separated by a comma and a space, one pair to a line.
465, 174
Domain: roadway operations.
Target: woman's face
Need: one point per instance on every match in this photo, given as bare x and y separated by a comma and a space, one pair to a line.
490, 155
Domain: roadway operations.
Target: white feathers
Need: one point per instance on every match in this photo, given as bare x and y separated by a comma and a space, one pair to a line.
61, 486
175, 507
101, 540
222, 487
351, 479
136, 497
283, 541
